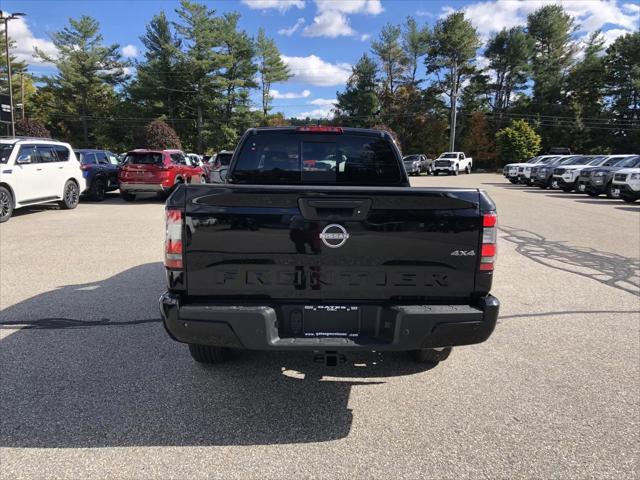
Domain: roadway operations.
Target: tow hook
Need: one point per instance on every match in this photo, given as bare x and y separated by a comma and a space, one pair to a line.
330, 358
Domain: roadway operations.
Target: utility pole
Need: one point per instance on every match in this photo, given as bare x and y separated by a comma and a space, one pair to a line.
454, 104
12, 16
22, 93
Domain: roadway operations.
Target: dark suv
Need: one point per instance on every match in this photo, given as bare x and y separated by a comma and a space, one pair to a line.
598, 180
100, 170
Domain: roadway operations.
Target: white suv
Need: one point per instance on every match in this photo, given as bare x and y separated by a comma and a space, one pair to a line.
34, 171
626, 184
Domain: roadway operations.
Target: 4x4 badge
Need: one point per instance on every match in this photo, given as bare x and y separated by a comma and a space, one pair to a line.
463, 253
334, 235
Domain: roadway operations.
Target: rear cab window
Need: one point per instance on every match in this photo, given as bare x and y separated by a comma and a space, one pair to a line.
300, 158
144, 158
87, 158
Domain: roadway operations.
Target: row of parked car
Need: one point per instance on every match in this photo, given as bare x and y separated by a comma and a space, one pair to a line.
449, 163
616, 176
39, 170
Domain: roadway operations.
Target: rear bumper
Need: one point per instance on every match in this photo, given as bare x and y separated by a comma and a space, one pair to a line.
384, 328
143, 188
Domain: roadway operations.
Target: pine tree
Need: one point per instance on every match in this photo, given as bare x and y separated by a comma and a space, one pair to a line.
622, 63
87, 72
451, 54
509, 53
271, 68
157, 88
358, 105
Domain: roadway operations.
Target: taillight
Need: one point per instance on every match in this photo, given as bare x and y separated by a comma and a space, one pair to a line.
319, 129
489, 240
173, 239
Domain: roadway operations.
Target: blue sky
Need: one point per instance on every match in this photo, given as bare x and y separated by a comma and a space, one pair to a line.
319, 39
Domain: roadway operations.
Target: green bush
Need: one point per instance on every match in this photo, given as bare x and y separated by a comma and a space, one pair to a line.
517, 142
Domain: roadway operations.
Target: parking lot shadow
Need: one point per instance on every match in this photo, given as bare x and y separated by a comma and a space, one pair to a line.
611, 269
91, 366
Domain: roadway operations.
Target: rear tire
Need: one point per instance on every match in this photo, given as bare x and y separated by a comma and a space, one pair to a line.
203, 179
127, 197
98, 189
6, 204
435, 173
609, 191
70, 195
208, 354
467, 169
628, 198
430, 355
457, 171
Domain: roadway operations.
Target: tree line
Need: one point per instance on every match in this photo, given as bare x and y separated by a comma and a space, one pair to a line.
535, 86
424, 84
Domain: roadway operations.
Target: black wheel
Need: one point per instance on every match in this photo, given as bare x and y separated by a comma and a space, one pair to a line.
457, 172
98, 189
575, 186
208, 354
436, 173
627, 198
513, 180
430, 355
543, 186
609, 191
203, 179
127, 197
467, 169
70, 195
6, 204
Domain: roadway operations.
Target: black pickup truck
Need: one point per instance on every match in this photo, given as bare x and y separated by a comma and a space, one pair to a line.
316, 241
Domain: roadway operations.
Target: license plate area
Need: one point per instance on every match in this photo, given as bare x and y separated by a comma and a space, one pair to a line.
331, 321
334, 321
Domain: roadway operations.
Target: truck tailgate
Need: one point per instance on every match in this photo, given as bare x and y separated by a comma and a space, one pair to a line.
331, 243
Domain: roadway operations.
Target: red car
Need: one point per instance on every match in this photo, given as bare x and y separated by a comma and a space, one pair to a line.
156, 171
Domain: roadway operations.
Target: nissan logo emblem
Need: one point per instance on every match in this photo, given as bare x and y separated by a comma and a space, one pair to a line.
334, 235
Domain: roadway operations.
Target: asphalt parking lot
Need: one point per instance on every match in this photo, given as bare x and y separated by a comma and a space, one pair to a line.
91, 385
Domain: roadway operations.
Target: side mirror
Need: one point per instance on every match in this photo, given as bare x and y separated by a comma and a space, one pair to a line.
24, 158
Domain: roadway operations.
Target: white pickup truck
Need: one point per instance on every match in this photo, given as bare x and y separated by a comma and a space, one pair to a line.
452, 163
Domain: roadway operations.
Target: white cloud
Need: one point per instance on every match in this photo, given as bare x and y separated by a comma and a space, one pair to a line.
424, 13
315, 71
610, 36
292, 29
130, 51
370, 7
26, 42
330, 24
325, 102
492, 16
288, 95
364, 37
332, 20
317, 113
280, 5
